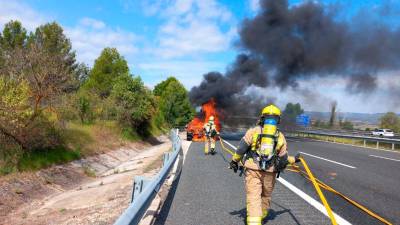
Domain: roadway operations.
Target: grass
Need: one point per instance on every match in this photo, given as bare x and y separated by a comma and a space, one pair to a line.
129, 134
155, 164
7, 169
81, 140
41, 159
89, 171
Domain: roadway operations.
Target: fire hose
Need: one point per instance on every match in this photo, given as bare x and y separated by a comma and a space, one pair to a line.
318, 184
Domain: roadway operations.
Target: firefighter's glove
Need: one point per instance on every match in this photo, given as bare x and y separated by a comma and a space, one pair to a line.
281, 163
297, 158
234, 165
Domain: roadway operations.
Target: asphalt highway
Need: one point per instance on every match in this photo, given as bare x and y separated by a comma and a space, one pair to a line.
209, 193
371, 177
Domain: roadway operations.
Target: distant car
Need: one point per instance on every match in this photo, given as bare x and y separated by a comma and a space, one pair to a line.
383, 133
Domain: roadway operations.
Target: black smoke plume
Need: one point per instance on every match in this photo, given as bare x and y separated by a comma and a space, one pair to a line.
361, 83
229, 90
302, 42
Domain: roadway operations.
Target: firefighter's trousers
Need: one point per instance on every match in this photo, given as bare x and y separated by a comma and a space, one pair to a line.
210, 142
259, 187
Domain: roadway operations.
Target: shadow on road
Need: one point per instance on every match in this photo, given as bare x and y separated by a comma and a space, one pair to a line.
162, 217
240, 213
272, 214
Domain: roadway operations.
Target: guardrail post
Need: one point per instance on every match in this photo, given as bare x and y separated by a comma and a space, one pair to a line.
139, 184
166, 157
377, 144
365, 143
145, 189
393, 146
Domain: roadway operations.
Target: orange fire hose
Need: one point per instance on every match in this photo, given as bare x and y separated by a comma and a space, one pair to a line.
317, 184
329, 188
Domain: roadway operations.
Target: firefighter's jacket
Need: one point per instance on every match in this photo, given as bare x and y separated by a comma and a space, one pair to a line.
210, 129
249, 139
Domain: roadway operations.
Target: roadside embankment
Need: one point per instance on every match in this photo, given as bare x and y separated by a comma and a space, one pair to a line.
93, 190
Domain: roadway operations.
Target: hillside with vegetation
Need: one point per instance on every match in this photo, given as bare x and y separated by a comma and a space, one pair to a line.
54, 109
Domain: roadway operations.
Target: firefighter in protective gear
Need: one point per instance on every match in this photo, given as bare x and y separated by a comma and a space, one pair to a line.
263, 152
211, 132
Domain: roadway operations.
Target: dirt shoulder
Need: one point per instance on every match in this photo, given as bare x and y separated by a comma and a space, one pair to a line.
94, 190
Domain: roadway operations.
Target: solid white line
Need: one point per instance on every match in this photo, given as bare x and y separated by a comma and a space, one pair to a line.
384, 158
312, 201
231, 145
318, 157
306, 197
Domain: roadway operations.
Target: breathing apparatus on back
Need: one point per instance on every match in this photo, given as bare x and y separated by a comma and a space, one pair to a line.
210, 127
267, 140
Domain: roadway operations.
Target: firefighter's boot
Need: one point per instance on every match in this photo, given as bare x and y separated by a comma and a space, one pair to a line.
206, 147
212, 143
212, 151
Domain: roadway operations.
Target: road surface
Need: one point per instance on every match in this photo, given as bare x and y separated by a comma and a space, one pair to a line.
209, 193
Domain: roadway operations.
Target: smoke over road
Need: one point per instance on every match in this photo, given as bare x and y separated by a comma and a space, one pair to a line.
228, 90
287, 44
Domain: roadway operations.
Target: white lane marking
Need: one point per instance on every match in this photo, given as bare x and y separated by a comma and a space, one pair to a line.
397, 160
318, 157
312, 201
306, 197
231, 145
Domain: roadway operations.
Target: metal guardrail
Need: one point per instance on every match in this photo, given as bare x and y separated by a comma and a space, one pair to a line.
145, 189
349, 132
365, 139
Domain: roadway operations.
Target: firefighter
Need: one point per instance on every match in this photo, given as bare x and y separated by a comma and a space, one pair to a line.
211, 132
263, 152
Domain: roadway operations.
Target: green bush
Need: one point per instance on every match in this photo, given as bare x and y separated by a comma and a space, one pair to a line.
39, 159
134, 102
173, 102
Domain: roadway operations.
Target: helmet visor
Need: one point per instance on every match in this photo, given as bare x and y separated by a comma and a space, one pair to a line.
270, 119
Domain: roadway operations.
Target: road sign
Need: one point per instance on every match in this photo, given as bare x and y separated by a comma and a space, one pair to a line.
303, 120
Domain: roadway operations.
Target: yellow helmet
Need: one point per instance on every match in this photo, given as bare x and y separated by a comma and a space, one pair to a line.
271, 110
211, 119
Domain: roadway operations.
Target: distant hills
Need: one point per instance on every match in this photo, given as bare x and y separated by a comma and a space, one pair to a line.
369, 118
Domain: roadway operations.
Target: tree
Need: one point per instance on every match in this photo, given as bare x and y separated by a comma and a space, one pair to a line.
291, 111
135, 103
332, 118
14, 109
174, 102
390, 121
46, 77
13, 36
107, 68
52, 39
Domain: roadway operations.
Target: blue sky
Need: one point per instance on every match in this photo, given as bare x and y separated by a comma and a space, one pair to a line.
159, 38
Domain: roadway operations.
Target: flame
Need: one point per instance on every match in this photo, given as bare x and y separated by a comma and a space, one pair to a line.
196, 125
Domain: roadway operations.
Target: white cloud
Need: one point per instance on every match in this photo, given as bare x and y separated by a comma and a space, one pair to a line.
318, 93
16, 10
188, 72
90, 36
193, 27
254, 5
96, 24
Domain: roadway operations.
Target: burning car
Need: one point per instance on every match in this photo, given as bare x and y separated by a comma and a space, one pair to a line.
194, 130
